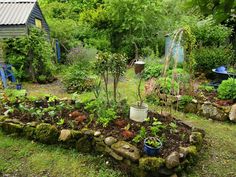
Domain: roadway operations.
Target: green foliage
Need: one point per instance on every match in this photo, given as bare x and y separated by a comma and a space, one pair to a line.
208, 58
227, 89
33, 52
156, 127
117, 69
221, 10
207, 88
153, 98
167, 85
78, 77
18, 73
80, 54
180, 75
153, 143
142, 134
105, 116
184, 100
114, 64
209, 34
153, 70
133, 22
14, 96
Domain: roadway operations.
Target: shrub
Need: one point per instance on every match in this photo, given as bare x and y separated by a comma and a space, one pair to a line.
227, 89
184, 100
33, 52
153, 70
167, 85
209, 34
78, 78
80, 54
180, 75
212, 57
206, 88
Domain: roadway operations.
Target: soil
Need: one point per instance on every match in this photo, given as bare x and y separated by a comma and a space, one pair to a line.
121, 128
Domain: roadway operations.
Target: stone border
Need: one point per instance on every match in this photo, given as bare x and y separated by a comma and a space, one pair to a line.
205, 109
124, 153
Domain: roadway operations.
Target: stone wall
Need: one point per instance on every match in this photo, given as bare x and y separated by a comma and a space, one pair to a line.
126, 155
206, 109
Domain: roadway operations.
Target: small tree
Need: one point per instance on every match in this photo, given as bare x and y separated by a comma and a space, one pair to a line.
117, 68
102, 68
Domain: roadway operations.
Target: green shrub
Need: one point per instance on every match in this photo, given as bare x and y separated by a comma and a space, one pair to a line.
153, 70
206, 88
184, 100
167, 86
78, 78
33, 53
212, 57
180, 75
227, 89
209, 34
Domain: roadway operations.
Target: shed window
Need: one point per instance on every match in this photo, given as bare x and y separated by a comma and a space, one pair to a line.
38, 23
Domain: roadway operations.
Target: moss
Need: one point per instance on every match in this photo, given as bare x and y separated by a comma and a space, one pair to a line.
2, 118
138, 172
151, 163
46, 133
192, 150
12, 128
76, 134
29, 132
196, 139
84, 144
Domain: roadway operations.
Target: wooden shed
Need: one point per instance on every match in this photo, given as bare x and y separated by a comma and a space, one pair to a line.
16, 16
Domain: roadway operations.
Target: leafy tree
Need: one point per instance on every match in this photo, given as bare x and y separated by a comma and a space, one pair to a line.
220, 9
133, 23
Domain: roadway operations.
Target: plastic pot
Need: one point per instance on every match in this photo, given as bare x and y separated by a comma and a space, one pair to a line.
139, 113
139, 67
149, 150
18, 86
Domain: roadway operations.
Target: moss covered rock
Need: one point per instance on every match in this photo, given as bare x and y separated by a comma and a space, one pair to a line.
151, 163
29, 132
76, 134
196, 138
2, 118
84, 144
12, 128
46, 133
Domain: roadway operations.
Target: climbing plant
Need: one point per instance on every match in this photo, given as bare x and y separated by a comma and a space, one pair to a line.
34, 53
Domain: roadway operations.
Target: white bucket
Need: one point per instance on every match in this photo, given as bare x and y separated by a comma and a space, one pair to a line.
139, 114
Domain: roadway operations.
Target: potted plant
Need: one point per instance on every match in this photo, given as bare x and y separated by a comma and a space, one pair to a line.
139, 111
18, 75
152, 146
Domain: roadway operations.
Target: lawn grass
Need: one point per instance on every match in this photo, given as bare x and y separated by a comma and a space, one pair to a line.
21, 157
218, 158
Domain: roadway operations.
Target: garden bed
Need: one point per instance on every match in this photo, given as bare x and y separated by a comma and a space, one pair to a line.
71, 125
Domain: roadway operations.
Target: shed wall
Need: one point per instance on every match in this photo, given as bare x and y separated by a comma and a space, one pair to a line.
13, 31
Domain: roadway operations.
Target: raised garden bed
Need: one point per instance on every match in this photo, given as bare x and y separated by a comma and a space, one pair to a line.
206, 109
122, 139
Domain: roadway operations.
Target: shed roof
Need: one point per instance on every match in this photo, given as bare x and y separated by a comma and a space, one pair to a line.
15, 12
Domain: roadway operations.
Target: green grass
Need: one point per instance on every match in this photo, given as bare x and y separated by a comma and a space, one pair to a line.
219, 155
21, 157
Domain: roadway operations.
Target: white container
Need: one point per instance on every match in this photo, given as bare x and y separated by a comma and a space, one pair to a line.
139, 114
